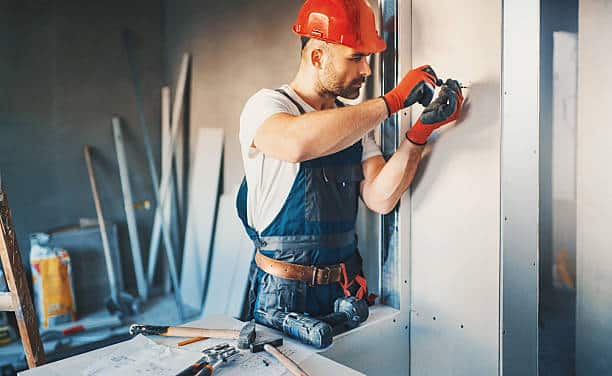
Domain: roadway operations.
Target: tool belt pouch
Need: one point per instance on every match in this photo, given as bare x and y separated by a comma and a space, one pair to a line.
284, 282
278, 293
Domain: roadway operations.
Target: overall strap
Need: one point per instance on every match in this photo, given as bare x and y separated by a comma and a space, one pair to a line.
299, 106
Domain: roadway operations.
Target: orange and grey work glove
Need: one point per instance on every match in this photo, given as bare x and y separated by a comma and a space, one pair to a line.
417, 86
441, 111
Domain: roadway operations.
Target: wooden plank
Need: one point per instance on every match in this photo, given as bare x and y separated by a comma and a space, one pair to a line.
18, 285
110, 268
203, 193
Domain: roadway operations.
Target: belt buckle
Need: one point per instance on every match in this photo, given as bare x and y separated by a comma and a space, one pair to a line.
325, 273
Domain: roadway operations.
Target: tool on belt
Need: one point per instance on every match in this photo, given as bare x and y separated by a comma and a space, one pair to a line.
344, 273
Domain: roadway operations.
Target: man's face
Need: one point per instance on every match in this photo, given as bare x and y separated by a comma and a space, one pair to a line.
343, 71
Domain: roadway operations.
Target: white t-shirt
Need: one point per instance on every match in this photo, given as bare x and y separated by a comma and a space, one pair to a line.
269, 179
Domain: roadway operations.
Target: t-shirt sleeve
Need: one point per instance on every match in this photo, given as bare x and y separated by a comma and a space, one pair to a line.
258, 108
370, 148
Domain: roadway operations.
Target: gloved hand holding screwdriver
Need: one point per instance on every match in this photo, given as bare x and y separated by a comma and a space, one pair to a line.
418, 86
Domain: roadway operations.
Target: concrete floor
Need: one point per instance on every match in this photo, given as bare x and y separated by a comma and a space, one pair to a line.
557, 333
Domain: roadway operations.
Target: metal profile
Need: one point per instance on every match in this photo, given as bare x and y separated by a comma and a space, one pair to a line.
128, 204
388, 250
164, 187
159, 196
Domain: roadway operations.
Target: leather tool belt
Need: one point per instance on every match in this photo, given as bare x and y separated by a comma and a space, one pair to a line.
314, 275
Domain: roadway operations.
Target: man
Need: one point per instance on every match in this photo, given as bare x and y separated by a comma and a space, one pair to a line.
307, 161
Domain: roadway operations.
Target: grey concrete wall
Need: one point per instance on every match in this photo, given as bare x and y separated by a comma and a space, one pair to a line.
594, 203
64, 73
238, 47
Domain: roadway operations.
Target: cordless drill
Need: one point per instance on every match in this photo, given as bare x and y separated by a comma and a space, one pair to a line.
304, 328
348, 313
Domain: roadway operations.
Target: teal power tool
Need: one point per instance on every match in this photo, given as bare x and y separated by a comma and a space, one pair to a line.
304, 328
348, 313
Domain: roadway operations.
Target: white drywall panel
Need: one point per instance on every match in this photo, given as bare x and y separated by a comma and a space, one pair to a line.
519, 188
455, 227
203, 193
594, 179
231, 260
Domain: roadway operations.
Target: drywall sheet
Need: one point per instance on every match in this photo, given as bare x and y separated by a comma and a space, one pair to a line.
203, 193
594, 202
455, 228
231, 260
519, 188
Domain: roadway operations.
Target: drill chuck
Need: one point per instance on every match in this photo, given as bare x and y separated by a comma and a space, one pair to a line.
348, 311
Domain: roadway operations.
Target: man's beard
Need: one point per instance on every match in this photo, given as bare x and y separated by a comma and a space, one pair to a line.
331, 86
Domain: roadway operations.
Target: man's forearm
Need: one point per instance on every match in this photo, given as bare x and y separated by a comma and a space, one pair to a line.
394, 178
319, 133
327, 132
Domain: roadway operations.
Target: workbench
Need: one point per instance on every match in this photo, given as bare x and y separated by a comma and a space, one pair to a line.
312, 360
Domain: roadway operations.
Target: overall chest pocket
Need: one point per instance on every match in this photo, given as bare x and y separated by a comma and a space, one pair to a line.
332, 193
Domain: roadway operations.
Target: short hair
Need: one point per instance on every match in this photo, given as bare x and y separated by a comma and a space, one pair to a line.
304, 41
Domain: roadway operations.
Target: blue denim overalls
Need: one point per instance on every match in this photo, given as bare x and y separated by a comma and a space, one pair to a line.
316, 226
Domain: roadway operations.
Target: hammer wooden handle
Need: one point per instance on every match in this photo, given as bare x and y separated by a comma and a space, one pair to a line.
183, 331
288, 363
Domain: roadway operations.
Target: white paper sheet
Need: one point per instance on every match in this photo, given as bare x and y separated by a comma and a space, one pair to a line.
142, 356
160, 356
138, 356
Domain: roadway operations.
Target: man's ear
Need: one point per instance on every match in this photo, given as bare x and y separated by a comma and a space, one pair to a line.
316, 58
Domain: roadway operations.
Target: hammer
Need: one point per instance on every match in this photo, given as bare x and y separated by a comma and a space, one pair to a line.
245, 336
270, 346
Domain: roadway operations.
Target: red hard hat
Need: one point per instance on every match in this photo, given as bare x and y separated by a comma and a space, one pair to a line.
347, 22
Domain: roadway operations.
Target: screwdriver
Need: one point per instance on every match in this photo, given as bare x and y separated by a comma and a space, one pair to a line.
439, 81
